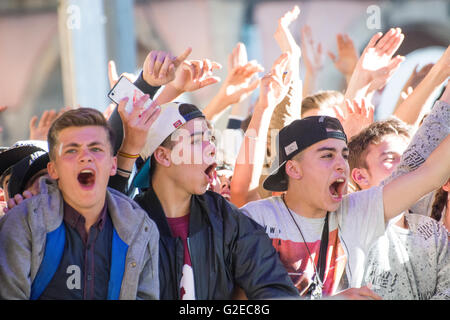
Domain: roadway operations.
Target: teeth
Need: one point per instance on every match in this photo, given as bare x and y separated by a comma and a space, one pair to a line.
340, 180
86, 171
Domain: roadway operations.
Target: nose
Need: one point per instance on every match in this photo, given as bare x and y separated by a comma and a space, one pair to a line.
341, 163
85, 156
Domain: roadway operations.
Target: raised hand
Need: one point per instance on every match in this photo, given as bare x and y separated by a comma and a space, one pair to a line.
357, 116
376, 63
194, 75
113, 77
136, 123
347, 57
238, 84
160, 66
39, 131
312, 54
275, 84
284, 37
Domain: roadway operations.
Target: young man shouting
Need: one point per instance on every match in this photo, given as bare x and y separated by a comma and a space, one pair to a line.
321, 235
77, 239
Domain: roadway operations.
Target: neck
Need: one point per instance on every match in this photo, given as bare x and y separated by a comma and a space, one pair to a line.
302, 207
175, 203
90, 214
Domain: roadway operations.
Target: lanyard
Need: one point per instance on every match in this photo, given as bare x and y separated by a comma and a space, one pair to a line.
315, 289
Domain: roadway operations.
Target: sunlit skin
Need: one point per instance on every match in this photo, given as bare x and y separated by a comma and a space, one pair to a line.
83, 149
382, 158
312, 172
192, 153
224, 177
185, 169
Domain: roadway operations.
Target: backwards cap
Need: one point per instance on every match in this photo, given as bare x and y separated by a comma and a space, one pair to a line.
173, 115
296, 137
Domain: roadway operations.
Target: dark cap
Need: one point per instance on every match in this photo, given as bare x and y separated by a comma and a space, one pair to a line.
24, 170
18, 151
294, 138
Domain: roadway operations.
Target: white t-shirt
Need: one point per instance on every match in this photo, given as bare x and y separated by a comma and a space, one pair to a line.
353, 228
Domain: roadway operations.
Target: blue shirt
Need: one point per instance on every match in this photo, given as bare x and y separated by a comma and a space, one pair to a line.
85, 265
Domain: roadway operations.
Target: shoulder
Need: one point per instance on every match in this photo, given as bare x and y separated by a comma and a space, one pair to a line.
127, 214
365, 199
262, 209
41, 211
424, 225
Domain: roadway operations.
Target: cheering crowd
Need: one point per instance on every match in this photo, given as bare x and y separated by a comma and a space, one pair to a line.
302, 196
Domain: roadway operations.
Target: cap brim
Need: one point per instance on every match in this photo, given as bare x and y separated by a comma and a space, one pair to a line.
277, 180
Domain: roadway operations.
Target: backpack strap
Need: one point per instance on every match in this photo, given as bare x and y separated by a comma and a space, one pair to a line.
118, 260
54, 249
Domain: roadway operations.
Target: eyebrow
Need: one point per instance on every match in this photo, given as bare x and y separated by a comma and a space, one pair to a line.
331, 149
74, 144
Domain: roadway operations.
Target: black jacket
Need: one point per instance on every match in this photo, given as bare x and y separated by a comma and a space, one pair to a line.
227, 248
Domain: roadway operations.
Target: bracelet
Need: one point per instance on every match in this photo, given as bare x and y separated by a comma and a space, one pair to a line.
127, 155
123, 170
123, 173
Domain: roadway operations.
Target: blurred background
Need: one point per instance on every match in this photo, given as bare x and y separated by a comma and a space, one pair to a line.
55, 53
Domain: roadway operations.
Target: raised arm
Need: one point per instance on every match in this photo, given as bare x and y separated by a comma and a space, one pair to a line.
313, 60
402, 192
251, 155
238, 84
411, 109
192, 75
429, 135
376, 65
346, 58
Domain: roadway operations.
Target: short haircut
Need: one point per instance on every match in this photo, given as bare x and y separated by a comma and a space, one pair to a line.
81, 117
321, 100
373, 134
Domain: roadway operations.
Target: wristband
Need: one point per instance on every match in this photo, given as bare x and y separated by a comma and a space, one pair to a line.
124, 171
127, 155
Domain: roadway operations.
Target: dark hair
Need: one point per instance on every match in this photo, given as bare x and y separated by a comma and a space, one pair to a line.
358, 145
440, 201
81, 117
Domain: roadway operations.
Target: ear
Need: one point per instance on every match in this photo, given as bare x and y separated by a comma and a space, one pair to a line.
113, 167
52, 170
162, 156
446, 186
361, 177
293, 170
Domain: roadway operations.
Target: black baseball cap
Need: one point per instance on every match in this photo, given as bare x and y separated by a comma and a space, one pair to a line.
24, 170
18, 151
294, 138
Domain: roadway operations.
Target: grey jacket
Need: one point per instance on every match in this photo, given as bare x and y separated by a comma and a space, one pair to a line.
23, 234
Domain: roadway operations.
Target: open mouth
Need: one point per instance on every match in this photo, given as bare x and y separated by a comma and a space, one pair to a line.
86, 177
337, 189
211, 172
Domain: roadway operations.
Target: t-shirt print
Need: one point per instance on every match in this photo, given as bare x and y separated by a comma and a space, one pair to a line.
180, 228
295, 258
354, 227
